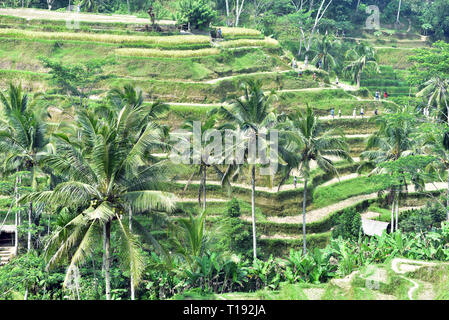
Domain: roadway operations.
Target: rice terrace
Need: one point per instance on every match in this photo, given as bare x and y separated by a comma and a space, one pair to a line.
224, 150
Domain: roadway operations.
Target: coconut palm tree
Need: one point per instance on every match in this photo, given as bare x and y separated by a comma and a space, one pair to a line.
305, 141
22, 137
394, 139
252, 115
360, 58
435, 141
106, 177
324, 52
436, 92
202, 156
133, 97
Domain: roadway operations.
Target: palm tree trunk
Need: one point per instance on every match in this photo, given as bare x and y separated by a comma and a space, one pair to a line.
447, 196
392, 214
359, 78
304, 200
204, 189
253, 209
16, 219
397, 212
107, 260
204, 197
132, 277
447, 109
104, 250
127, 2
30, 212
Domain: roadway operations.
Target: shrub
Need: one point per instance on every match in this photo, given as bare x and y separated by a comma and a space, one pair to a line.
424, 219
233, 208
233, 233
196, 12
349, 225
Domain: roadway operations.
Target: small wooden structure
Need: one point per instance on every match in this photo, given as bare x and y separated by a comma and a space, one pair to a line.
373, 227
7, 243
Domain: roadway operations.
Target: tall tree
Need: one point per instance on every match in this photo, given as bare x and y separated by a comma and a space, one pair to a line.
238, 11
319, 14
252, 114
202, 155
393, 140
360, 58
105, 175
23, 140
435, 140
436, 92
307, 141
325, 52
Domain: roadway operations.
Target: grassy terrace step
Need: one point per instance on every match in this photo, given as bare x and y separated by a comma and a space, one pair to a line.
394, 57
170, 91
24, 54
283, 203
165, 42
282, 247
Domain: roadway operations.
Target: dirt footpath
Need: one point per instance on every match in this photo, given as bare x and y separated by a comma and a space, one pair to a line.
87, 17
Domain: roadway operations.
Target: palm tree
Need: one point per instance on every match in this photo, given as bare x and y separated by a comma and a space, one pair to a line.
106, 177
132, 97
305, 140
324, 52
394, 139
23, 138
189, 238
202, 156
360, 58
252, 115
436, 142
436, 91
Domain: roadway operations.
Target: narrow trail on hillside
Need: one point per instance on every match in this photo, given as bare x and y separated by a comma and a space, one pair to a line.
273, 189
321, 213
374, 215
402, 266
213, 81
32, 14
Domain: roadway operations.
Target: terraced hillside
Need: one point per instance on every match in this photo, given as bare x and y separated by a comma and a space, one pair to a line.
193, 75
397, 279
392, 50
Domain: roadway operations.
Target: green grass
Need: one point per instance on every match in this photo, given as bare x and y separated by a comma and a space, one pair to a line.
397, 58
163, 42
267, 42
324, 196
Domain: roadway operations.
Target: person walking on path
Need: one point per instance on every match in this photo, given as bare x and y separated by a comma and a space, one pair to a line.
295, 180
300, 73
339, 113
220, 34
294, 65
332, 113
385, 95
377, 95
336, 80
375, 112
361, 111
354, 112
